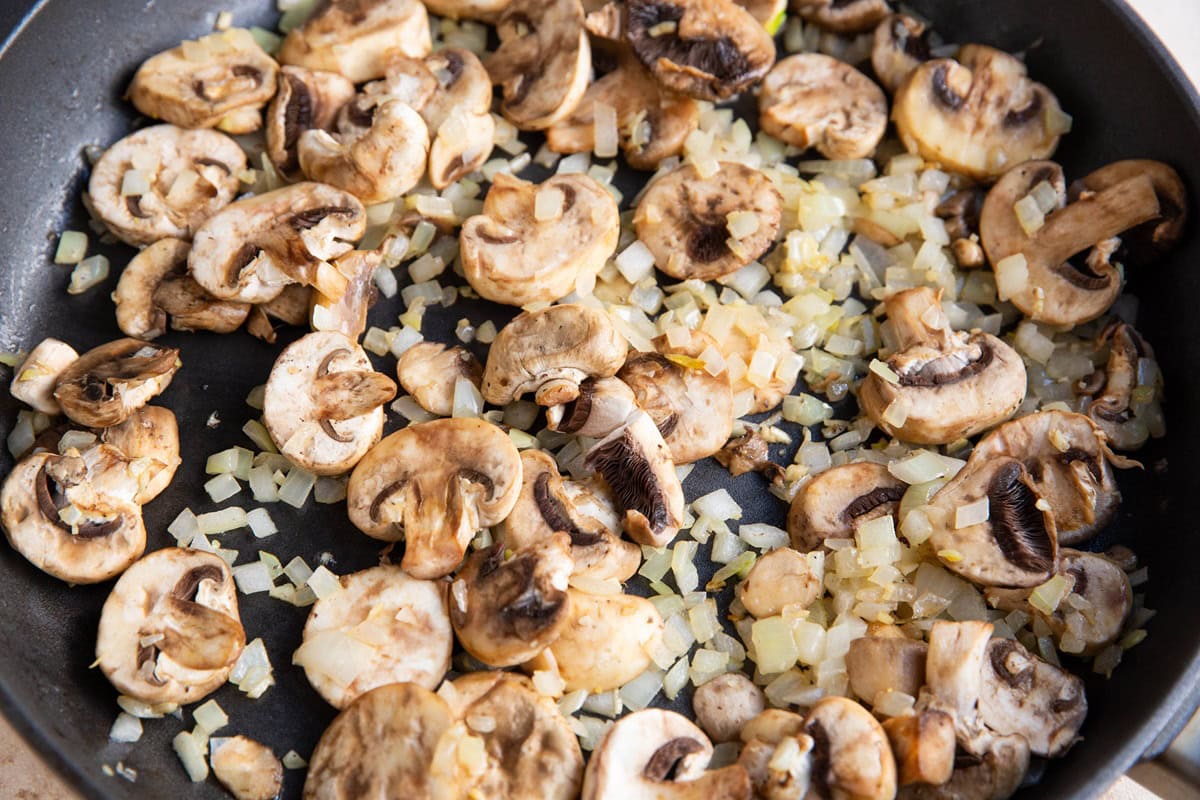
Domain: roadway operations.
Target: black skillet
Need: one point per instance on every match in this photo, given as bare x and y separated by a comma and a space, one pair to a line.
62, 74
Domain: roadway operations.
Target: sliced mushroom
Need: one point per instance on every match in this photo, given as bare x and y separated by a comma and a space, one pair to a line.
291, 306
306, 99
348, 316
814, 100
707, 49
851, 756
486, 10
603, 406
355, 37
1026, 696
170, 630
1141, 244
777, 755
842, 16
106, 384
878, 664
252, 249
434, 485
550, 352
381, 745
246, 768
725, 704
978, 115
833, 503
1015, 545
1052, 289
221, 80
606, 641
749, 452
772, 726
944, 384
324, 401
429, 372
36, 376
535, 242
781, 579
382, 627
149, 435
960, 212
684, 219
954, 670
901, 45
923, 745
656, 754
996, 774
164, 181
1111, 401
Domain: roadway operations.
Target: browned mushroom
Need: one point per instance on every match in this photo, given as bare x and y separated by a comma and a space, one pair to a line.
108, 383
834, 502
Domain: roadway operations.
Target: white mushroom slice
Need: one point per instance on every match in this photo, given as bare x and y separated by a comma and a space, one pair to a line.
324, 403
220, 80
106, 384
851, 755
772, 726
536, 242
954, 669
684, 220
151, 436
381, 745
429, 372
306, 99
36, 376
170, 630
995, 774
1023, 695
252, 249
543, 63
164, 181
781, 579
1142, 245
382, 627
833, 503
247, 769
356, 37
551, 352
603, 406
814, 100
781, 770
655, 754
725, 704
877, 664
945, 384
901, 45
979, 115
347, 316
842, 16
434, 485
923, 745
54, 516
458, 115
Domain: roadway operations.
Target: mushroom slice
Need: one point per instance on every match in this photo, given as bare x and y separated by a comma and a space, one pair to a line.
1023, 695
606, 641
535, 242
781, 579
851, 756
1140, 245
381, 745
656, 754
943, 384
485, 10
652, 122
54, 515
324, 403
833, 503
508, 606
707, 49
692, 408
901, 45
814, 100
960, 211
434, 485
355, 38
1016, 544
879, 664
149, 435
382, 627
221, 80
685, 220
544, 61
603, 406
429, 371
636, 464
36, 376
306, 99
995, 774
777, 755
726, 704
458, 115
106, 384
1047, 287
551, 352
842, 16
548, 504
170, 630
978, 115
246, 768
164, 181
1119, 397
1068, 459
749, 452
253, 248
155, 287
923, 745
348, 315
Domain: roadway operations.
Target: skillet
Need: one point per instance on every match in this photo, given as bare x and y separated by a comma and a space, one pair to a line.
62, 73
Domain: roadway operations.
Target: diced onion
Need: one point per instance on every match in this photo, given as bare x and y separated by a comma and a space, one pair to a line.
222, 521
324, 583
89, 272
192, 756
260, 523
253, 577
72, 247
1012, 276
126, 728
210, 717
296, 487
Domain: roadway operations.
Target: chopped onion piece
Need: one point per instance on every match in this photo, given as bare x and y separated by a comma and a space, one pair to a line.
210, 717
261, 524
296, 487
184, 527
293, 760
774, 647
970, 514
72, 247
222, 521
323, 582
468, 402
256, 432
1012, 275
126, 728
88, 273
640, 692
192, 755
763, 537
253, 577
1047, 597
675, 679
683, 567
718, 505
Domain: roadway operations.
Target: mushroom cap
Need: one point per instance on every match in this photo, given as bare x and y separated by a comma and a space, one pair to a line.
189, 175
683, 219
383, 627
435, 484
222, 79
150, 433
923, 745
517, 253
106, 384
978, 115
725, 704
186, 597
842, 16
324, 401
851, 754
110, 534
709, 49
429, 371
35, 377
356, 37
1142, 244
901, 45
381, 745
835, 501
348, 316
247, 769
692, 408
253, 248
877, 664
551, 352
606, 641
814, 100
780, 579
306, 99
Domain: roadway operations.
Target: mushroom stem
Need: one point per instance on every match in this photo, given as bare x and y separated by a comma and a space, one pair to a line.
1097, 217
